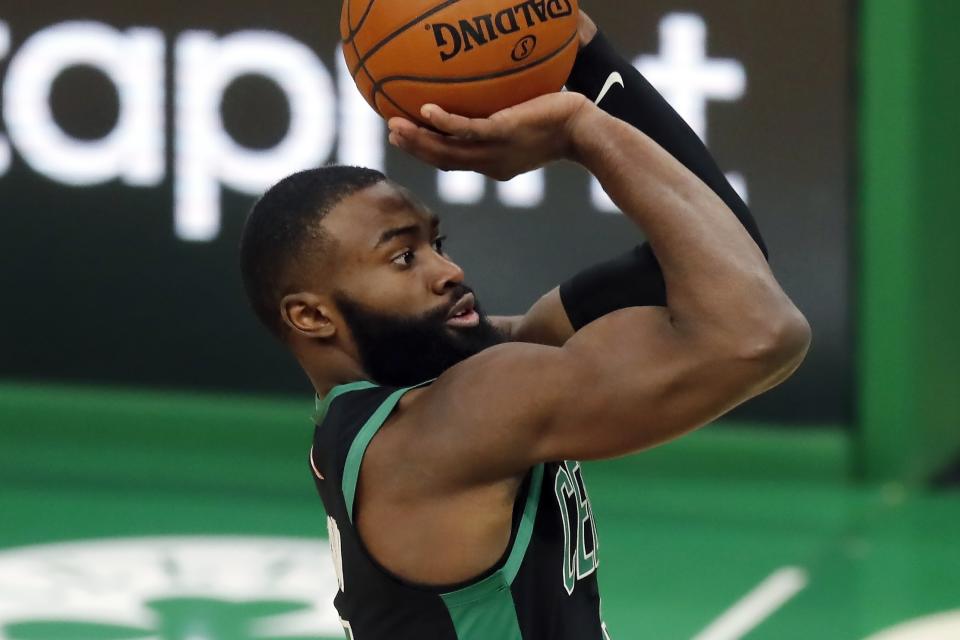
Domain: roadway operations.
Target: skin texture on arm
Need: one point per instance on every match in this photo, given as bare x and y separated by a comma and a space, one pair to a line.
545, 323
586, 28
729, 333
548, 322
634, 278
453, 454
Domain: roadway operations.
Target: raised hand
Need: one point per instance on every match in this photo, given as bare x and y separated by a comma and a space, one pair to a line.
508, 143
586, 29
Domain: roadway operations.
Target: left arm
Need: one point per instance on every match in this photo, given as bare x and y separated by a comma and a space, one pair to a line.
545, 323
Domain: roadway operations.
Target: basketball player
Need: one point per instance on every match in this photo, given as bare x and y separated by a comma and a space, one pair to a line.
447, 442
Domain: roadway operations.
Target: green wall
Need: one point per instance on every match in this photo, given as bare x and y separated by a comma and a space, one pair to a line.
909, 229
222, 445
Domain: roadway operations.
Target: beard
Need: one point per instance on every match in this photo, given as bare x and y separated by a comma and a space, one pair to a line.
402, 351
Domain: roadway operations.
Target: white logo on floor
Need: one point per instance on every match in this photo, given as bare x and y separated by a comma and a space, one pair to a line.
942, 626
169, 588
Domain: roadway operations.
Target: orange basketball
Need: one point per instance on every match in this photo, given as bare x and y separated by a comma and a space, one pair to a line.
471, 57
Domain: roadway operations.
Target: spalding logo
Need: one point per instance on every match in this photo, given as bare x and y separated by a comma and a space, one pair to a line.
454, 39
524, 48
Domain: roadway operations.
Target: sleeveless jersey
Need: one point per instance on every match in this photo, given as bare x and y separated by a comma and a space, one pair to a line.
543, 588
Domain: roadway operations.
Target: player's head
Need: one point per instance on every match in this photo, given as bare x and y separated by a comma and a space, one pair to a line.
343, 262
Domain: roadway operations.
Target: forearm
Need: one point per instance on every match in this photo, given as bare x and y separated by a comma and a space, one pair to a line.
710, 264
639, 104
545, 323
633, 279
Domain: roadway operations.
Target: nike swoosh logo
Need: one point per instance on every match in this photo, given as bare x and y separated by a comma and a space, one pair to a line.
613, 79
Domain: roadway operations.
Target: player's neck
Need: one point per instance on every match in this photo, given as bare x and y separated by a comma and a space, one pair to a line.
328, 370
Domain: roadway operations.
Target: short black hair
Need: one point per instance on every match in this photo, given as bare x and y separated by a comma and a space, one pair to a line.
279, 225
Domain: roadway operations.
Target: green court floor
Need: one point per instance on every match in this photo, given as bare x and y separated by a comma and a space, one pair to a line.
173, 517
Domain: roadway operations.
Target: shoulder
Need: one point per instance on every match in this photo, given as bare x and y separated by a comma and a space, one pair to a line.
341, 417
350, 403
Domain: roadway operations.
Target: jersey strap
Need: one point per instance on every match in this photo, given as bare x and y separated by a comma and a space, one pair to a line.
486, 609
323, 404
351, 471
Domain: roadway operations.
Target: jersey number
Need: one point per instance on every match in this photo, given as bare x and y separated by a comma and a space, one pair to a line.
579, 529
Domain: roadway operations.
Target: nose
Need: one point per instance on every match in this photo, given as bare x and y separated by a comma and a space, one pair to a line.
447, 274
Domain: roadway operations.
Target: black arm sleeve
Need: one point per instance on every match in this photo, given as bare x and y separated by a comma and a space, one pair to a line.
635, 279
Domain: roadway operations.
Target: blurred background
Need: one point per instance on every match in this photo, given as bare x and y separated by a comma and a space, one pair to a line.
153, 438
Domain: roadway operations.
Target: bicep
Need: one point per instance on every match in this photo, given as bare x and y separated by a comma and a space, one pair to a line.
624, 383
643, 387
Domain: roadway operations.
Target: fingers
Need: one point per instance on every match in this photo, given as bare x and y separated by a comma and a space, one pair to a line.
586, 29
458, 126
439, 150
401, 125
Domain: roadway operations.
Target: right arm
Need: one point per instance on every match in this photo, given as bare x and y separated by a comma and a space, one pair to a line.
634, 378
633, 279
639, 103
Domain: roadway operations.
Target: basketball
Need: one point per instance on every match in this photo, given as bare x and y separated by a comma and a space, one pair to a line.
470, 57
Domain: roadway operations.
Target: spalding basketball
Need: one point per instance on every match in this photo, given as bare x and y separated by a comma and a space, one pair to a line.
470, 57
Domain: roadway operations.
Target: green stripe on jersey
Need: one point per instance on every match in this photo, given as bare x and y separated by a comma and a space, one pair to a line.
351, 471
323, 404
525, 532
486, 609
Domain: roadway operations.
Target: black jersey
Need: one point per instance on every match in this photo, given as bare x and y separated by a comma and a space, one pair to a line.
543, 588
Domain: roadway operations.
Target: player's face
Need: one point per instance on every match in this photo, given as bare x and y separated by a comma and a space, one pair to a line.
403, 300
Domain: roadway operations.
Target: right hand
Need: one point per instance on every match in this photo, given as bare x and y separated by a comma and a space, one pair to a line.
510, 142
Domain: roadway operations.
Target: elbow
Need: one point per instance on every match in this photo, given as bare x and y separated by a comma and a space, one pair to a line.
780, 345
791, 338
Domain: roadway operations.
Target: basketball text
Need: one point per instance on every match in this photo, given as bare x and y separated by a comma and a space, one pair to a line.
454, 39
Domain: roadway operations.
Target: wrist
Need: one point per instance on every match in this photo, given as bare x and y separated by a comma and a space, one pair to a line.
582, 130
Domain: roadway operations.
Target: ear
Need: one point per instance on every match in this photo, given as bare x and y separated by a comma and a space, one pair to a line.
308, 315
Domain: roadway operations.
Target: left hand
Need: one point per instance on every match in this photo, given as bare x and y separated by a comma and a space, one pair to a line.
510, 142
586, 29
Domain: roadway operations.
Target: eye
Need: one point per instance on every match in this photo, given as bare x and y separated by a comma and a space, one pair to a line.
405, 259
438, 244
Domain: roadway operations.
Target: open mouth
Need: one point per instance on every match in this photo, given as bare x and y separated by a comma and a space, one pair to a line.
464, 313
